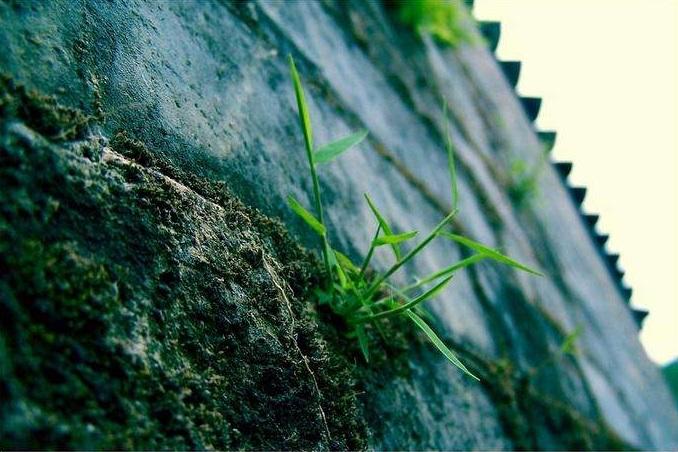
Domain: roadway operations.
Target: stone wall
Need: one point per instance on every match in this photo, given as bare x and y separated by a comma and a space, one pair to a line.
171, 305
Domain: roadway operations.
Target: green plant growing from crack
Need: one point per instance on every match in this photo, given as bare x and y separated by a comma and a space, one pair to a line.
567, 347
523, 185
442, 19
362, 297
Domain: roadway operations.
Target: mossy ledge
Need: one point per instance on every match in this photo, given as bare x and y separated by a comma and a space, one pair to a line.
143, 307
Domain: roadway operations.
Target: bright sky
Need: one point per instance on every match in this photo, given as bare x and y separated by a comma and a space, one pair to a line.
607, 71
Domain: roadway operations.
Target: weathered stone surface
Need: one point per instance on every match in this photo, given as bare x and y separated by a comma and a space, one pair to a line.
205, 86
145, 309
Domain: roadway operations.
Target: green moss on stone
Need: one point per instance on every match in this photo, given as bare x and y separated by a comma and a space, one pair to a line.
143, 307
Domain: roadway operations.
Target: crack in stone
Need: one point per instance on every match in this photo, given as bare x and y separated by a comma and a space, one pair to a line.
279, 285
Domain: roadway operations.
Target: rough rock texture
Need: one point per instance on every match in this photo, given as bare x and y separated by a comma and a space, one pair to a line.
142, 306
144, 309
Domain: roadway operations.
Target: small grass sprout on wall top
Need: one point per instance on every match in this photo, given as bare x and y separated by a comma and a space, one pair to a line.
365, 298
523, 184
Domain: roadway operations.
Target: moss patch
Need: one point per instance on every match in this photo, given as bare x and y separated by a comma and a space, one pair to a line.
144, 308
532, 419
41, 113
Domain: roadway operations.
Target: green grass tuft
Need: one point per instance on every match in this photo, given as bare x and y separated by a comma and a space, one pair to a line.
358, 295
523, 184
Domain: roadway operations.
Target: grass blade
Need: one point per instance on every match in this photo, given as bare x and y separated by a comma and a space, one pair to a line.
569, 346
489, 252
304, 117
346, 263
432, 292
383, 223
450, 159
307, 216
446, 271
422, 312
305, 122
370, 252
362, 341
440, 345
394, 239
395, 267
344, 282
336, 148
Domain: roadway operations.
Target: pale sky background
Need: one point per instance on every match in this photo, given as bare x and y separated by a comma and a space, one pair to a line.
607, 71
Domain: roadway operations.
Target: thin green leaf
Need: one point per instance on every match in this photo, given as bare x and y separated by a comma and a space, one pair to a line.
489, 252
362, 341
447, 271
330, 151
569, 345
345, 262
344, 282
432, 292
380, 218
394, 239
394, 293
450, 159
307, 216
422, 312
383, 223
305, 122
440, 345
413, 252
304, 117
370, 252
